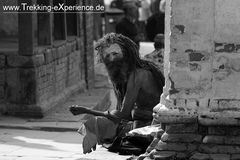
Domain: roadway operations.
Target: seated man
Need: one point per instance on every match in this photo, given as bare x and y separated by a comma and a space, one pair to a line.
137, 83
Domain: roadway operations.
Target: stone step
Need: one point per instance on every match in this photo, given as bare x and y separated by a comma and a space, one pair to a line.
178, 147
226, 140
203, 156
182, 128
217, 149
187, 138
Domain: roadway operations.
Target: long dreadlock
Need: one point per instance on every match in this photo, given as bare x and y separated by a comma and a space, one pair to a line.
131, 56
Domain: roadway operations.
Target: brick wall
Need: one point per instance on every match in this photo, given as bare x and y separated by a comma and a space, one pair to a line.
42, 79
60, 70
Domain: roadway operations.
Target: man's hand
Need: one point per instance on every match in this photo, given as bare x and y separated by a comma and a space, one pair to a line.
76, 109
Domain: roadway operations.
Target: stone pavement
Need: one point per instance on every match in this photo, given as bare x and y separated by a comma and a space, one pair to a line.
54, 136
21, 144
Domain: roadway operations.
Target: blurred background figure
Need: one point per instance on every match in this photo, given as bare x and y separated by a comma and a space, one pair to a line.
158, 54
144, 13
154, 7
144, 10
128, 25
155, 23
117, 4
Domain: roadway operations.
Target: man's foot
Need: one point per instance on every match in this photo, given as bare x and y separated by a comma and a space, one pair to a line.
76, 110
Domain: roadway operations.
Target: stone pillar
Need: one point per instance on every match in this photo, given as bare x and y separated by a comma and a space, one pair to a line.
21, 73
199, 108
88, 24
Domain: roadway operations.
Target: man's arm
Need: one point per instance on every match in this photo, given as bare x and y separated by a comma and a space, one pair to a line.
133, 87
76, 110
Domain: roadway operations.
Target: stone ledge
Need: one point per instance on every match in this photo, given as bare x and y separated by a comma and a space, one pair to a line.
163, 155
200, 156
226, 140
182, 128
220, 118
179, 147
224, 130
187, 138
163, 114
176, 119
203, 156
219, 149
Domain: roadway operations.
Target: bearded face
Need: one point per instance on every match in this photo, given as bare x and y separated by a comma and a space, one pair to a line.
111, 54
112, 57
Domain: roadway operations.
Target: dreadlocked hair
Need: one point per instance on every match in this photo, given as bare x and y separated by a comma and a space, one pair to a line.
132, 57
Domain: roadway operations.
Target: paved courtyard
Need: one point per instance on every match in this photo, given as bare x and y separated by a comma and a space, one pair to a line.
42, 145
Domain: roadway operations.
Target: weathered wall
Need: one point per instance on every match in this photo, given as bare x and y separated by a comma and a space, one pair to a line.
202, 60
38, 77
31, 83
200, 104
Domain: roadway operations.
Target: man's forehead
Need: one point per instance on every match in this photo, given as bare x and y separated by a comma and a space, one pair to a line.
113, 48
